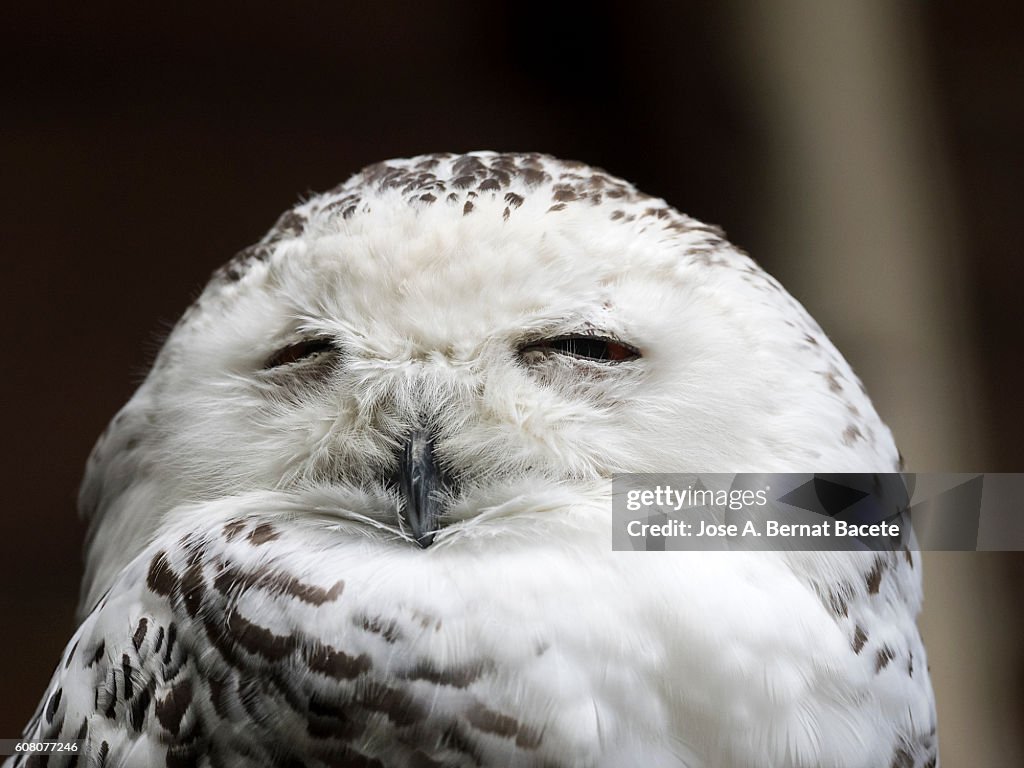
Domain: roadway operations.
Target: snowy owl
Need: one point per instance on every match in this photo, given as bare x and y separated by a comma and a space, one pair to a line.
358, 513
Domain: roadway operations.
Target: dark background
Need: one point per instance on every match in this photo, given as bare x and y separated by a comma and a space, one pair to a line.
140, 150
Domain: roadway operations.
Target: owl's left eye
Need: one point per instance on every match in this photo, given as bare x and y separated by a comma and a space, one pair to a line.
306, 349
599, 349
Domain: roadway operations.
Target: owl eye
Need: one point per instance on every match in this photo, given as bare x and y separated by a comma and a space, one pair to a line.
299, 351
597, 348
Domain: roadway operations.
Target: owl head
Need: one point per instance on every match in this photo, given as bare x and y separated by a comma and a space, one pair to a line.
441, 333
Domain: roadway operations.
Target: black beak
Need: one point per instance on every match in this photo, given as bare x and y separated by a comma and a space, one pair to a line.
420, 481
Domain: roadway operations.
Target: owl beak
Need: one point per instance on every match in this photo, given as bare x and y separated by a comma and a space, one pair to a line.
420, 482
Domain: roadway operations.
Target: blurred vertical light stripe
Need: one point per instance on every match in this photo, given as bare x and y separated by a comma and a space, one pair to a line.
862, 223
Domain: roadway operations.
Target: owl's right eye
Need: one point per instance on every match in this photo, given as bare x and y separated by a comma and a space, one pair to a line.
307, 349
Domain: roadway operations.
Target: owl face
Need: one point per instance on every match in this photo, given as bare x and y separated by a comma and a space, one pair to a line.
542, 330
